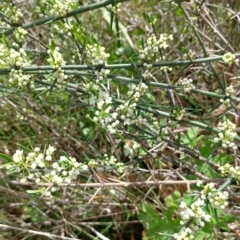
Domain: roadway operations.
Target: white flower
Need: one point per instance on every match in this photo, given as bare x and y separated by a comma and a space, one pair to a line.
187, 84
68, 180
63, 158
23, 179
33, 165
207, 218
227, 134
57, 179
36, 149
55, 58
61, 7
230, 91
229, 58
199, 183
18, 156
75, 163
41, 164
47, 194
152, 45
48, 158
20, 33
96, 55
50, 150
38, 180
14, 14
85, 167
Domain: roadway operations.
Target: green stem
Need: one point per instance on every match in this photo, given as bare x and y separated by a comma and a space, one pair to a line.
70, 14
120, 66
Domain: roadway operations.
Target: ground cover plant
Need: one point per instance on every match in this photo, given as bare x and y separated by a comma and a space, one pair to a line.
119, 119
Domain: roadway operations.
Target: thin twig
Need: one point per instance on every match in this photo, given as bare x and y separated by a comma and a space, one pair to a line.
3, 226
119, 184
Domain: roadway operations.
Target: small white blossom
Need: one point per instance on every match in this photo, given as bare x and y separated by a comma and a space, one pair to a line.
152, 44
18, 156
178, 114
226, 134
55, 58
187, 84
20, 34
230, 171
230, 91
229, 58
14, 14
115, 8
191, 54
50, 150
38, 180
61, 7
96, 54
21, 79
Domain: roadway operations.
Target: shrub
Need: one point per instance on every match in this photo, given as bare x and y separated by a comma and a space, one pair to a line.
119, 119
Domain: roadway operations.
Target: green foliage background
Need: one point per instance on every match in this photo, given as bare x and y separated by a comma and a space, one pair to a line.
47, 115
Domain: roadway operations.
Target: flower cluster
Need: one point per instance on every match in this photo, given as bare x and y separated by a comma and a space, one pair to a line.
55, 58
195, 213
137, 91
20, 34
33, 160
103, 115
102, 74
11, 11
18, 58
3, 56
106, 116
9, 57
216, 198
56, 61
115, 8
225, 103
67, 27
92, 163
166, 69
152, 46
96, 54
187, 234
177, 114
229, 58
21, 79
112, 161
226, 134
191, 54
147, 74
60, 77
229, 91
127, 110
39, 167
65, 170
61, 7
187, 84
230, 171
